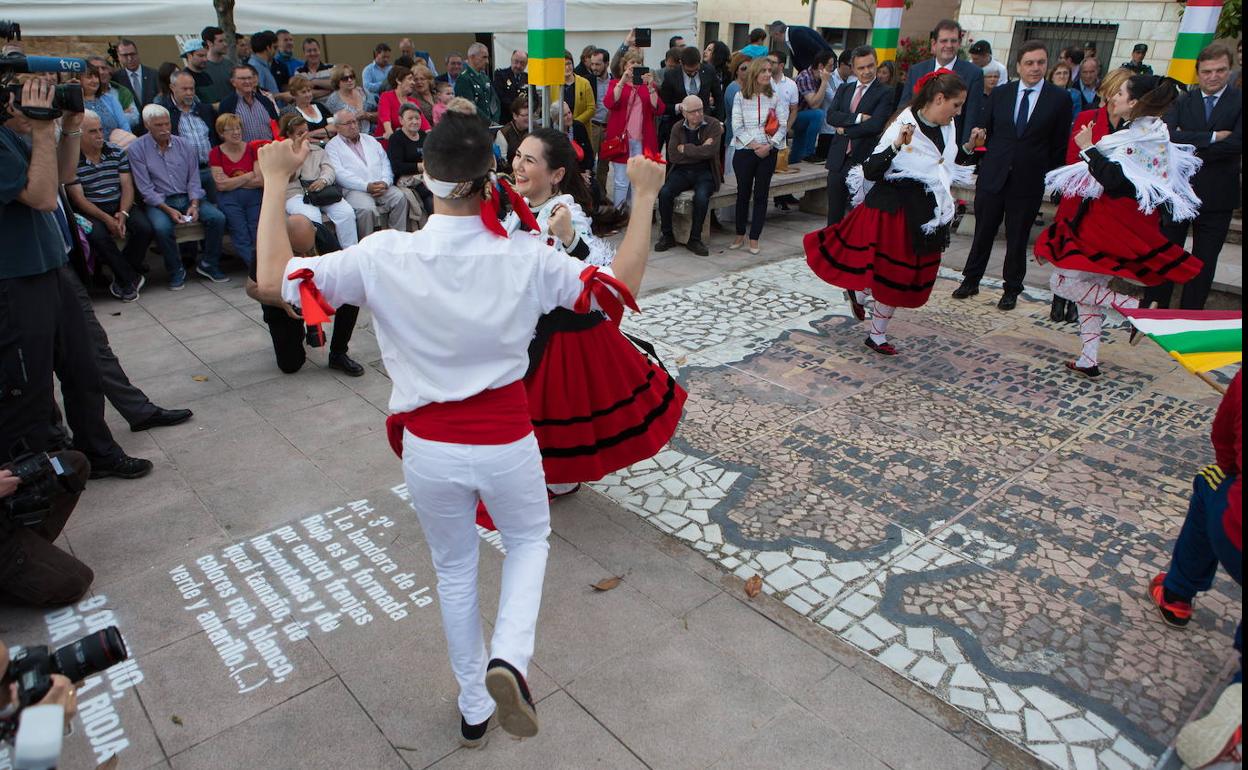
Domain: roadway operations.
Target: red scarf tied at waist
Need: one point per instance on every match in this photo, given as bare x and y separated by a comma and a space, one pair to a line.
491, 417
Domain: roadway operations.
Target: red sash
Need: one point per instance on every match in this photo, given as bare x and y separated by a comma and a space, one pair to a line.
492, 417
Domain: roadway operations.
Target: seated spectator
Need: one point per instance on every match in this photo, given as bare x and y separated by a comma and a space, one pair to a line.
284, 54
104, 193
263, 51
317, 71
239, 185
454, 67
318, 117
125, 97
581, 143
693, 153
377, 70
406, 153
166, 175
446, 92
313, 176
113, 120
365, 176
194, 121
403, 85
423, 95
509, 137
349, 95
164, 93
757, 43
257, 111
813, 84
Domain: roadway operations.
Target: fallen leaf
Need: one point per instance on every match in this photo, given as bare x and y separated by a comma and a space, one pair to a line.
606, 584
177, 720
753, 586
200, 377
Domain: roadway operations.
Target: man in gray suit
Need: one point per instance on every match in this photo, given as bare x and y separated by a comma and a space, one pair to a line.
945, 41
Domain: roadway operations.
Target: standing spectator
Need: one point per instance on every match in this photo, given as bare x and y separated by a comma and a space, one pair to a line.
315, 69
1089, 50
812, 88
693, 153
509, 137
284, 55
365, 176
193, 120
256, 110
1072, 57
219, 66
577, 93
510, 82
717, 55
600, 79
1212, 120
633, 103
122, 94
676, 41
759, 120
103, 192
981, 56
263, 61
1088, 84
799, 44
1028, 122
408, 49
138, 77
582, 68
858, 114
1137, 65
196, 57
692, 78
164, 94
377, 70
242, 47
454, 68
315, 175
319, 118
350, 96
757, 44
474, 84
889, 77
113, 120
238, 184
945, 39
740, 65
403, 83
1063, 76
166, 174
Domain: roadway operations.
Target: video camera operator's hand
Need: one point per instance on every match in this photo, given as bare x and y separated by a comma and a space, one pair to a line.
38, 92
8, 485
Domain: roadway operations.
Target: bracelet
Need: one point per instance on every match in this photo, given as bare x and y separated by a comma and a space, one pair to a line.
125, 214
76, 132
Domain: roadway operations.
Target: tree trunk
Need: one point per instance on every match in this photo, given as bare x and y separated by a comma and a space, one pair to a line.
225, 20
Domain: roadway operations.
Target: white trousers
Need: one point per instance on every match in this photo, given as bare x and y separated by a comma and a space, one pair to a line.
1091, 294
445, 481
340, 213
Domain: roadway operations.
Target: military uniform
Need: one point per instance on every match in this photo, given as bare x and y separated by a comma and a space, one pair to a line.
476, 88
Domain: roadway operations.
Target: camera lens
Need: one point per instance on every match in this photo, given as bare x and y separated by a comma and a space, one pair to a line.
90, 655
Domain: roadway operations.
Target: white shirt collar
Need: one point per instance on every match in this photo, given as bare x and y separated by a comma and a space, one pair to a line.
1218, 95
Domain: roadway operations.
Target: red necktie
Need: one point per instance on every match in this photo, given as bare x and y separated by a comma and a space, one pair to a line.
853, 107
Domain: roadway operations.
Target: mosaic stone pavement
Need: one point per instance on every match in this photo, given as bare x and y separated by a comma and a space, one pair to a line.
967, 513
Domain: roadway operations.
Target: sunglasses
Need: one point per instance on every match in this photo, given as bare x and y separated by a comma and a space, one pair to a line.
347, 77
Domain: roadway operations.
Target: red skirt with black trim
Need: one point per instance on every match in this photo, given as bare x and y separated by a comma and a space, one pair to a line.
1111, 236
598, 403
871, 249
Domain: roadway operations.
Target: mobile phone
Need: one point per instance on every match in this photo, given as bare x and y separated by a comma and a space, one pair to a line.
641, 37
637, 73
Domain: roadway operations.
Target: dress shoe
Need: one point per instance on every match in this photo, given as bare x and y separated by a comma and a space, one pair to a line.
665, 242
1072, 313
1086, 371
698, 247
860, 312
344, 363
162, 418
967, 289
883, 348
1057, 311
1008, 301
125, 468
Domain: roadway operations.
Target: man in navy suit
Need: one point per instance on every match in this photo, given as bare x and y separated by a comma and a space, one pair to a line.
1028, 124
134, 74
1212, 119
858, 113
802, 43
946, 38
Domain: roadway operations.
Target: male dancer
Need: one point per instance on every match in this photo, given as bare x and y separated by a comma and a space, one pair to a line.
455, 305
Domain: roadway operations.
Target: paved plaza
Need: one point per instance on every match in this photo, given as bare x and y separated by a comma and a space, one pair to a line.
954, 546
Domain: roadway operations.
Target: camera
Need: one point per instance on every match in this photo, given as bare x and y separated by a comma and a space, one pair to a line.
31, 668
68, 96
43, 478
638, 72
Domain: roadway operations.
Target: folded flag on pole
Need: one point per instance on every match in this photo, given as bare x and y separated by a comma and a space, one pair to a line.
1200, 340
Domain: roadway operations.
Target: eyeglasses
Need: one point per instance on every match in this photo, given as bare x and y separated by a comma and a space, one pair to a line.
347, 77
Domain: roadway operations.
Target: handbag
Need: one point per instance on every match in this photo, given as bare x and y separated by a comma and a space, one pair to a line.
614, 149
326, 196
773, 123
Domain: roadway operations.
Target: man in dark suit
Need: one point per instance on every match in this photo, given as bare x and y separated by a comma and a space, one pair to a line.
511, 82
1028, 123
133, 74
946, 38
692, 78
1212, 120
802, 43
858, 113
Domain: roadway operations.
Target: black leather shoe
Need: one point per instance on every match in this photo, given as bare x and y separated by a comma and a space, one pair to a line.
473, 736
1086, 371
162, 418
1008, 301
664, 243
344, 363
698, 247
1057, 310
125, 468
515, 714
1072, 313
967, 289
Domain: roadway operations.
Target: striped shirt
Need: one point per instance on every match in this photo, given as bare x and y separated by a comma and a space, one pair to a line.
193, 129
101, 182
257, 125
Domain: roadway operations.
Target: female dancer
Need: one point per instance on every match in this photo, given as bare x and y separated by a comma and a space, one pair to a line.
1121, 182
598, 404
888, 248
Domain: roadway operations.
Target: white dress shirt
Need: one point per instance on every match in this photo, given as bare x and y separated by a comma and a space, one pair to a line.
1213, 136
1032, 98
454, 305
353, 172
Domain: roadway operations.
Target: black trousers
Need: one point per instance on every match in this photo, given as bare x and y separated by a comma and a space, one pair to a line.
42, 331
33, 571
679, 179
126, 263
1209, 231
289, 335
838, 193
1019, 211
753, 177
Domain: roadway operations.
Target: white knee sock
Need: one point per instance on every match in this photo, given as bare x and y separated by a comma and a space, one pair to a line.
877, 325
1090, 320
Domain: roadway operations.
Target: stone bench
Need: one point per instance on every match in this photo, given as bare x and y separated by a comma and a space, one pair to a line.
806, 180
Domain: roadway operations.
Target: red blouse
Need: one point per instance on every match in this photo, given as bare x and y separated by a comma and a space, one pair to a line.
244, 165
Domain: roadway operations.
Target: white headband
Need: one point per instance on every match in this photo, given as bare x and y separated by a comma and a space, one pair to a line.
450, 190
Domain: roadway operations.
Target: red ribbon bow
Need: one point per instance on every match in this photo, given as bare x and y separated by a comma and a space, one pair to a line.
490, 208
312, 304
654, 156
923, 80
599, 286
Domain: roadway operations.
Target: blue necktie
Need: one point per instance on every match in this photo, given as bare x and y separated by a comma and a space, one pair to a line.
62, 222
1020, 121
1210, 103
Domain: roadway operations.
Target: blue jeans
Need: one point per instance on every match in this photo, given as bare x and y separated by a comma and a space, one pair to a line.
1203, 544
162, 231
242, 215
806, 133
